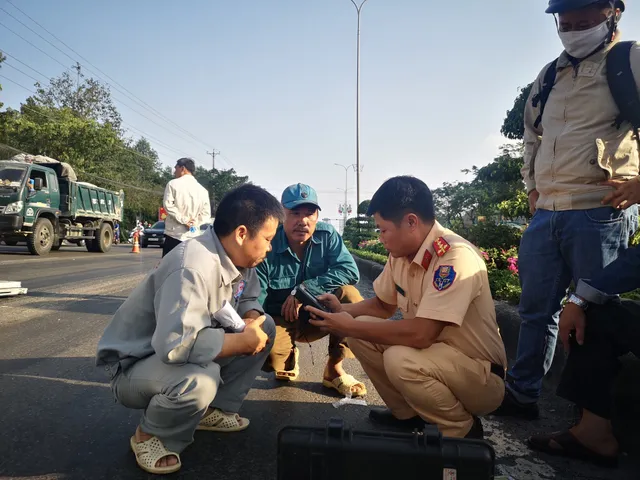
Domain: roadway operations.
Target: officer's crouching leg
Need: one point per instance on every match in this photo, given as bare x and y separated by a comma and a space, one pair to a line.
239, 373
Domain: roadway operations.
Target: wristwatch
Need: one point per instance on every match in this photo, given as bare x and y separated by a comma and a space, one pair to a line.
579, 301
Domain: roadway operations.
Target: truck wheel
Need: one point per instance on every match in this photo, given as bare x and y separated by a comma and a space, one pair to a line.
41, 241
56, 245
90, 245
105, 238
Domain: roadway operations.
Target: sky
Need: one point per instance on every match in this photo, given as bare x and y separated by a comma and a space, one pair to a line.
271, 84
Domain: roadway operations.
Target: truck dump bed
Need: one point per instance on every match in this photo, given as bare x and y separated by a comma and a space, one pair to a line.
87, 200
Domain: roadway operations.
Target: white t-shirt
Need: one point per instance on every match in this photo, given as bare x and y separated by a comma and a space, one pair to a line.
184, 200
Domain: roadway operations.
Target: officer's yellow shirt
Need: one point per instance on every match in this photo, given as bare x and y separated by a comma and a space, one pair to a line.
447, 282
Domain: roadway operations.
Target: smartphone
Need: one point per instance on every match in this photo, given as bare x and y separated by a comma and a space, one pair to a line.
306, 298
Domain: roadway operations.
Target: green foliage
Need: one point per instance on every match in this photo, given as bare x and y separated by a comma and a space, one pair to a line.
90, 99
363, 207
2, 59
489, 233
505, 286
513, 126
495, 191
359, 229
635, 240
515, 207
373, 246
218, 183
374, 257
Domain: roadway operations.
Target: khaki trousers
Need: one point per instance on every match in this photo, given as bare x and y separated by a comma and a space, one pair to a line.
440, 384
287, 334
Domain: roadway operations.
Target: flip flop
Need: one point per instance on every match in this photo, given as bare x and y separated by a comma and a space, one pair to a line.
570, 447
149, 452
344, 384
219, 421
290, 375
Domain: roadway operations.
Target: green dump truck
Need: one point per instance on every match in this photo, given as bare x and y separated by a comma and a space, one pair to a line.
42, 204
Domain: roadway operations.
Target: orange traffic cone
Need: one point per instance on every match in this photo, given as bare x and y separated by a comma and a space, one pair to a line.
136, 244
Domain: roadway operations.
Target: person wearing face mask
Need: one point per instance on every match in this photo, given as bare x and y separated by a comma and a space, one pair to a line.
577, 146
310, 253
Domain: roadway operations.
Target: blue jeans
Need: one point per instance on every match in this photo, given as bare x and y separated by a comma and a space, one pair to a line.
556, 248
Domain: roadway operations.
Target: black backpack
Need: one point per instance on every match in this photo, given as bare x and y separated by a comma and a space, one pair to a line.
621, 83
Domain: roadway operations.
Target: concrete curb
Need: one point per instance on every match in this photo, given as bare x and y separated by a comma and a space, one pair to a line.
626, 395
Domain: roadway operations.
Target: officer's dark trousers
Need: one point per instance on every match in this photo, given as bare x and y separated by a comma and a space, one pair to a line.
612, 331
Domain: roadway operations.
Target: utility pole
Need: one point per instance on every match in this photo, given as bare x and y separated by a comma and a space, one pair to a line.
213, 158
358, 10
78, 68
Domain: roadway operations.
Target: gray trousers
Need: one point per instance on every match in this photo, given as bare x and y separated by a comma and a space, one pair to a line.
176, 397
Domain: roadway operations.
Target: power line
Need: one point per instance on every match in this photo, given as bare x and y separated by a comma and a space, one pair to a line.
137, 99
146, 135
130, 150
34, 46
64, 53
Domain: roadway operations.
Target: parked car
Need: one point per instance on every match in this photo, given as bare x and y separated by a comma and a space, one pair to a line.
153, 235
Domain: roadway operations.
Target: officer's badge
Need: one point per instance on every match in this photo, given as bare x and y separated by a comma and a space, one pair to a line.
441, 246
240, 290
443, 277
426, 260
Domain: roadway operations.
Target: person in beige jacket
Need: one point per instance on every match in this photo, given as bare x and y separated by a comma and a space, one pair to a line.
570, 152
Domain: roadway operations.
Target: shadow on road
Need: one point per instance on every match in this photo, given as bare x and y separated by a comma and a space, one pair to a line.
60, 418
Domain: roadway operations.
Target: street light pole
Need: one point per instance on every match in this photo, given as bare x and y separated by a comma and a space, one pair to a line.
346, 188
358, 10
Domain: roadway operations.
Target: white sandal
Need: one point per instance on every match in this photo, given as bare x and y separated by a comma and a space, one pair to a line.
149, 452
219, 421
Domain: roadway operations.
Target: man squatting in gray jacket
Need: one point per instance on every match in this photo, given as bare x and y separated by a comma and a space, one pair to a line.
165, 351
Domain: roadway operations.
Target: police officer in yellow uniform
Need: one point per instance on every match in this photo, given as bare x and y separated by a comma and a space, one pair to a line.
444, 362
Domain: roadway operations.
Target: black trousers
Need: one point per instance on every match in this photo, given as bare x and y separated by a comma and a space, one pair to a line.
612, 331
169, 244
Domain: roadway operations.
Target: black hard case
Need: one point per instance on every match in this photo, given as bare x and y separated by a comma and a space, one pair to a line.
336, 453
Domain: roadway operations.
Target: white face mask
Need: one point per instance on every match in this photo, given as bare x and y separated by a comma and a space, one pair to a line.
581, 43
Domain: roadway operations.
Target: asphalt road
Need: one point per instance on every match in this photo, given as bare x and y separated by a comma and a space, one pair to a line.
58, 418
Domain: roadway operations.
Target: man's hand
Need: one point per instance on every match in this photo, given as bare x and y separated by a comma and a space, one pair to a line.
337, 323
573, 318
255, 338
533, 199
331, 302
626, 193
290, 309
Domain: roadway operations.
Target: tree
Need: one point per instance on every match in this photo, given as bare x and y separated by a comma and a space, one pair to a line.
218, 183
513, 126
363, 207
89, 99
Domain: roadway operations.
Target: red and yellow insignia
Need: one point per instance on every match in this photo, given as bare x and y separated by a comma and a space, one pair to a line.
426, 259
441, 246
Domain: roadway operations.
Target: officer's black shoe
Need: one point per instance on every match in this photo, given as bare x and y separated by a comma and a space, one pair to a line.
511, 407
476, 432
384, 417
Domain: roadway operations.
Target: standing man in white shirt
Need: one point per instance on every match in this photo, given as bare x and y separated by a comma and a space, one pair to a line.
187, 205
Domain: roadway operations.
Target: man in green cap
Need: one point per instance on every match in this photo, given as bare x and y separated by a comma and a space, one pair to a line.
310, 253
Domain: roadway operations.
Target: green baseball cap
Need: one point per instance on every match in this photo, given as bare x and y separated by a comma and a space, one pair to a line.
299, 194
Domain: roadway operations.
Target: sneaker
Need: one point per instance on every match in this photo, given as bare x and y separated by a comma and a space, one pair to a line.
511, 407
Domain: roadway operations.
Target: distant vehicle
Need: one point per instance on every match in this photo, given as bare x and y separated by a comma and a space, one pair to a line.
42, 204
153, 235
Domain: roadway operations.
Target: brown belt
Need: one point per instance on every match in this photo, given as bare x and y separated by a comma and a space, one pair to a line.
498, 370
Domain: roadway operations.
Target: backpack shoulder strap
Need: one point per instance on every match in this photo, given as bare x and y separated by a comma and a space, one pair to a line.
541, 98
623, 85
